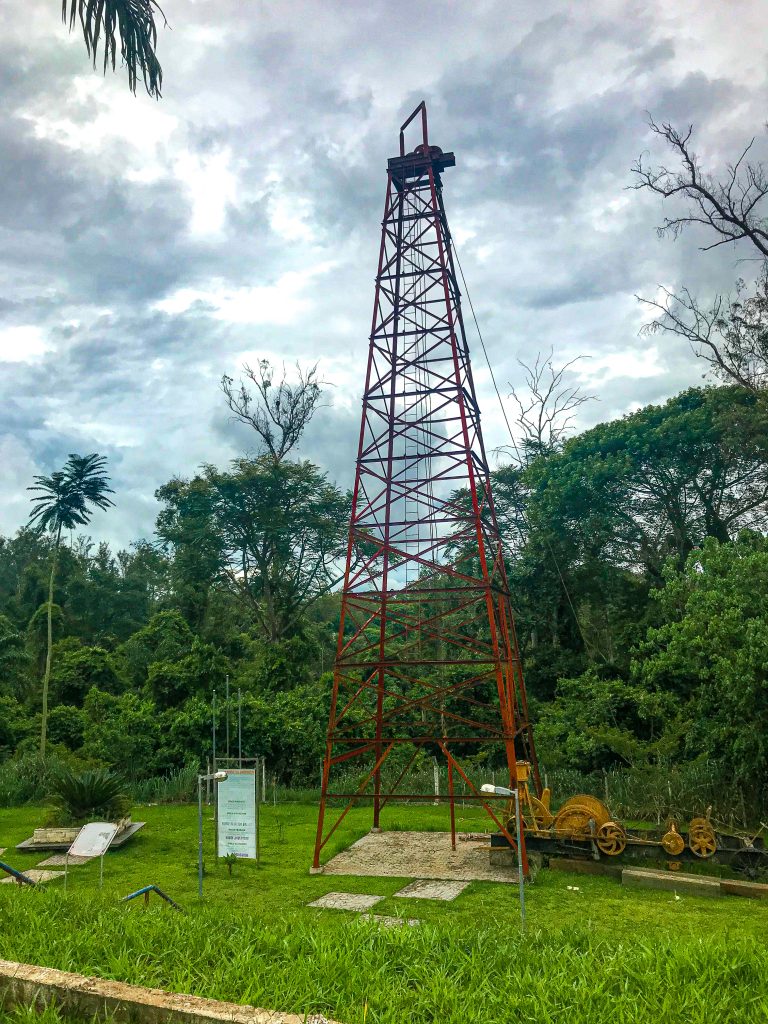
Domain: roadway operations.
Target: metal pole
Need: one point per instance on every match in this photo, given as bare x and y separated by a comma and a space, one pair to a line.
436, 772
227, 685
240, 727
263, 779
213, 719
200, 836
520, 877
101, 871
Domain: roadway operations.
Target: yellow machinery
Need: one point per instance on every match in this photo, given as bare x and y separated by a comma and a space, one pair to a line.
583, 826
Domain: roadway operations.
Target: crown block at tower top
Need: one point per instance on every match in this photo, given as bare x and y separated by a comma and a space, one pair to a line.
417, 163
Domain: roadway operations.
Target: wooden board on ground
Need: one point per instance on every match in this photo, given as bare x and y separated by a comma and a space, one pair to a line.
419, 855
29, 845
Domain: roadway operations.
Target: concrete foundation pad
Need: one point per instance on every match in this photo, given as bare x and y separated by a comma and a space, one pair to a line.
28, 985
346, 901
36, 875
59, 860
433, 889
420, 855
671, 881
391, 922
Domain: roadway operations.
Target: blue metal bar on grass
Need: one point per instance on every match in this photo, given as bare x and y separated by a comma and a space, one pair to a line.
21, 878
146, 891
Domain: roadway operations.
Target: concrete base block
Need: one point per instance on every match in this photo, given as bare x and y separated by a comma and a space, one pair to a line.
585, 867
693, 885
27, 985
346, 901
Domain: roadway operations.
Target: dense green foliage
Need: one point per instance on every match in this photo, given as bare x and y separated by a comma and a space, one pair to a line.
638, 564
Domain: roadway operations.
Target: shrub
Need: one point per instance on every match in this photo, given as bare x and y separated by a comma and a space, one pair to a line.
96, 793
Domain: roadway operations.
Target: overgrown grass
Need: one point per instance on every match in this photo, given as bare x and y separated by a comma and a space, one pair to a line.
592, 953
48, 1015
436, 972
179, 786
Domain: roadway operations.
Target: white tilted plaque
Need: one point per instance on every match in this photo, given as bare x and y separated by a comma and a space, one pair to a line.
237, 813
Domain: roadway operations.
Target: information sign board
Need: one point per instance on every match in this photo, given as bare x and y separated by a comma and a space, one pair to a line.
93, 839
237, 813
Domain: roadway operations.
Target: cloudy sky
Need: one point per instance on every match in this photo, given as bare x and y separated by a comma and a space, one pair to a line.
147, 248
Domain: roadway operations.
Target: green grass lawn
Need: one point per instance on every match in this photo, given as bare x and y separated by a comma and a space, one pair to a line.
598, 953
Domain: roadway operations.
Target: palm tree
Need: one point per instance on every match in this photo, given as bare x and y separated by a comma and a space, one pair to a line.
64, 502
133, 21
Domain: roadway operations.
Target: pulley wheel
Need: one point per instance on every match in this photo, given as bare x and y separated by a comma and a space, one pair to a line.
702, 840
611, 839
673, 843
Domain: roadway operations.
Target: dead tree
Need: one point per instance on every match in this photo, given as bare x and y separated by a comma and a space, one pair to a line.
730, 335
547, 411
279, 413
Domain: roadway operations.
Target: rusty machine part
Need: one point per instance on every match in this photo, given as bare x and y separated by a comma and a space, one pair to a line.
702, 840
573, 819
611, 839
583, 827
672, 841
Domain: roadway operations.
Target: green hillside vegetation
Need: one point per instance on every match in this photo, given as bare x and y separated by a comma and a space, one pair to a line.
638, 564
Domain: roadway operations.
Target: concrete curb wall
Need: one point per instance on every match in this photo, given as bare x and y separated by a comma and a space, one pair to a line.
28, 985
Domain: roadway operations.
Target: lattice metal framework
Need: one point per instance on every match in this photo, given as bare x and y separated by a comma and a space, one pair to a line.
427, 656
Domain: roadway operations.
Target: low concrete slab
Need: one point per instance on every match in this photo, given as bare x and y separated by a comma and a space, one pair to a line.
59, 860
36, 875
346, 901
28, 985
733, 887
432, 889
671, 881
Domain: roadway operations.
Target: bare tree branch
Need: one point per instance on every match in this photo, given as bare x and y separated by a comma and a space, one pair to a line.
729, 206
546, 413
279, 413
731, 335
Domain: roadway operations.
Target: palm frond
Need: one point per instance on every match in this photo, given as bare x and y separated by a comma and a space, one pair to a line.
63, 499
133, 21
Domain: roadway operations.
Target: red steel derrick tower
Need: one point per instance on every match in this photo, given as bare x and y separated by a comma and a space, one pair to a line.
427, 657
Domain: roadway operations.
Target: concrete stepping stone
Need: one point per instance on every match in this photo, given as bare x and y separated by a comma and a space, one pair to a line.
392, 922
36, 875
432, 889
346, 901
59, 860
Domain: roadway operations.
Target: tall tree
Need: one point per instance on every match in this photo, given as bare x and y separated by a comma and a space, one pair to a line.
66, 499
132, 22
272, 531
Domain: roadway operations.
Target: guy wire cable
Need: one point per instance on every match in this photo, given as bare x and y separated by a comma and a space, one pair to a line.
523, 514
